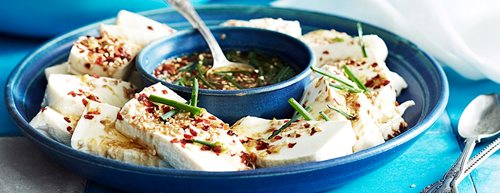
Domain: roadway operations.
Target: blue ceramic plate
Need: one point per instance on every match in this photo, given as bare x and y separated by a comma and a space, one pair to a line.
428, 87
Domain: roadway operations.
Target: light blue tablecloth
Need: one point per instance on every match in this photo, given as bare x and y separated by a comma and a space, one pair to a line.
422, 164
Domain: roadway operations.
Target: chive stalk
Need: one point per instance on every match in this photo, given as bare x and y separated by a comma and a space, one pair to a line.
362, 42
200, 75
354, 78
194, 93
323, 115
346, 115
169, 114
303, 112
189, 108
329, 75
287, 124
233, 82
345, 88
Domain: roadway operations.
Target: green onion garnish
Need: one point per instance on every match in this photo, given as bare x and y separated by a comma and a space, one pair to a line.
284, 126
323, 115
194, 93
362, 42
336, 39
189, 108
329, 75
346, 115
233, 82
209, 144
348, 89
303, 112
201, 76
186, 67
169, 114
354, 78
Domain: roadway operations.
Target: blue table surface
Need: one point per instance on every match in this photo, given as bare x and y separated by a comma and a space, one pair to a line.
425, 162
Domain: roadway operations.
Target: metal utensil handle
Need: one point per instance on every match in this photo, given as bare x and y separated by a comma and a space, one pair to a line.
480, 157
449, 181
186, 9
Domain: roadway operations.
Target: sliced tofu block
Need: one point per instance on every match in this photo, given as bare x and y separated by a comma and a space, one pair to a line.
301, 142
291, 28
96, 134
137, 28
69, 94
56, 125
364, 125
103, 56
57, 69
178, 139
318, 94
330, 45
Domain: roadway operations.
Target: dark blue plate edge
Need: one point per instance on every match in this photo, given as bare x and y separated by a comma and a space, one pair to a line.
282, 170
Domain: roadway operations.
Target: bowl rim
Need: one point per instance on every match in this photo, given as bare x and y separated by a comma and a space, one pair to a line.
34, 135
140, 66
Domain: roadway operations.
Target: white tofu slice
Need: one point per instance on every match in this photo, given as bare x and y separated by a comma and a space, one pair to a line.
291, 28
57, 126
96, 134
57, 69
173, 140
302, 142
365, 127
103, 56
140, 37
137, 28
318, 94
330, 45
68, 94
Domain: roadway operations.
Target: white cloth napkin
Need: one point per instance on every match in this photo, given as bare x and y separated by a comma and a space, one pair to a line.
462, 34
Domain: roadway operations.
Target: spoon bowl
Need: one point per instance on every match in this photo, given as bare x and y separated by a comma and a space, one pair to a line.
481, 118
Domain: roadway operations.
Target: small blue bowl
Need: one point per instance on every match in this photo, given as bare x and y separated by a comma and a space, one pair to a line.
230, 105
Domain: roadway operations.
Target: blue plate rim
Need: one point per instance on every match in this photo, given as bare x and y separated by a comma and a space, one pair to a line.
274, 171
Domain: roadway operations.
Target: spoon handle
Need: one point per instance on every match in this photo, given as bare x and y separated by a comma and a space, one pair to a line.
186, 9
449, 181
480, 157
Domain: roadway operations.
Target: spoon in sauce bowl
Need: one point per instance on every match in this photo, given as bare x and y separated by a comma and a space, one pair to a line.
220, 62
480, 120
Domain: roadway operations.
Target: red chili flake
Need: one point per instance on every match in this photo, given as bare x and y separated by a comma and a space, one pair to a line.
193, 132
205, 127
313, 131
230, 133
217, 149
290, 145
96, 112
374, 65
261, 145
306, 125
67, 119
248, 159
278, 137
212, 118
325, 52
87, 65
187, 136
119, 116
43, 109
72, 93
396, 103
175, 140
133, 117
297, 135
357, 105
164, 91
150, 110
144, 99
93, 98
99, 61
205, 148
89, 117
95, 75
69, 128
85, 102
386, 82
150, 27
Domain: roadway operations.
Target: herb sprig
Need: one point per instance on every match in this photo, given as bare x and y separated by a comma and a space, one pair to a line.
343, 113
324, 116
302, 112
353, 78
186, 107
361, 40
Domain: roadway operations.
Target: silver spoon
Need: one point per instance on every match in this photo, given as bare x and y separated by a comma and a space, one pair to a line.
480, 120
220, 61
